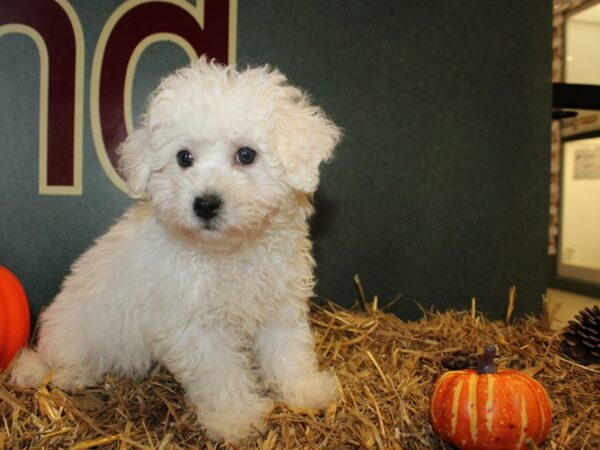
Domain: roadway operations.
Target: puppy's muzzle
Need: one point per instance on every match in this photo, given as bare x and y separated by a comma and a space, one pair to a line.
207, 206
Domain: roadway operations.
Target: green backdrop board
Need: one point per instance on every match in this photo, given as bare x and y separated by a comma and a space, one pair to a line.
439, 189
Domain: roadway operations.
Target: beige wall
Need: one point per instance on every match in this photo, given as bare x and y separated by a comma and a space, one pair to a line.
580, 237
581, 52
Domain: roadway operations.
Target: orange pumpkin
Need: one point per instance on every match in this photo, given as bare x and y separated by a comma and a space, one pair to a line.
14, 317
489, 408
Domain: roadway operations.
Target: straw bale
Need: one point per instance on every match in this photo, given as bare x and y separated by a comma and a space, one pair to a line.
385, 368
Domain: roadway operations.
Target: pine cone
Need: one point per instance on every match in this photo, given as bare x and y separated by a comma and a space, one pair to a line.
581, 337
461, 359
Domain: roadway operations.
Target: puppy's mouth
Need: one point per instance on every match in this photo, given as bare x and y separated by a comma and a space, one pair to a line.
213, 221
211, 225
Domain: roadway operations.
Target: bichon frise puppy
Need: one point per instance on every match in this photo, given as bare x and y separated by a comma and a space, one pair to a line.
211, 272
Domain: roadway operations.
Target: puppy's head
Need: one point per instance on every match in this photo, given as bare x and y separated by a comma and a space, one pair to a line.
221, 150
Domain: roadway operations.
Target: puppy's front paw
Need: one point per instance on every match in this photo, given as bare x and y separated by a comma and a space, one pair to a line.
317, 390
236, 423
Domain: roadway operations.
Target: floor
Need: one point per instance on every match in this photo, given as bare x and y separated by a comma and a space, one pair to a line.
570, 305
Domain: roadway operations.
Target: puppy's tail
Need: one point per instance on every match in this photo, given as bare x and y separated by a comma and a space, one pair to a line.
29, 369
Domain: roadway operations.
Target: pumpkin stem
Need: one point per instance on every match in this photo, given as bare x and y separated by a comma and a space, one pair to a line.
486, 361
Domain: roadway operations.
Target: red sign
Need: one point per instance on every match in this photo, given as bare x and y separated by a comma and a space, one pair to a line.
206, 28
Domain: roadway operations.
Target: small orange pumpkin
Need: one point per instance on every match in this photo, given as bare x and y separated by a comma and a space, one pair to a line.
14, 317
489, 408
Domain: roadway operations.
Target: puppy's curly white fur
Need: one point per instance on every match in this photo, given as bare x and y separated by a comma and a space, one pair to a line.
210, 272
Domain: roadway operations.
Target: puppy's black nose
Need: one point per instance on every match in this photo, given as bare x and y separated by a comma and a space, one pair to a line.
207, 206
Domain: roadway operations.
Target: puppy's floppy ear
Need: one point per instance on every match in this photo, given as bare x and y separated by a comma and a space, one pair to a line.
133, 162
306, 137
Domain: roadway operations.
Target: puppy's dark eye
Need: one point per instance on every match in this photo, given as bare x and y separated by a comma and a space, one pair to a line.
245, 156
185, 158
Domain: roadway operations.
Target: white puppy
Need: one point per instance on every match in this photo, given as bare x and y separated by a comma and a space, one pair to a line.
210, 274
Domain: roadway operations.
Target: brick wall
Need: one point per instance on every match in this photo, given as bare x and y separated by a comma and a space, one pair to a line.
561, 9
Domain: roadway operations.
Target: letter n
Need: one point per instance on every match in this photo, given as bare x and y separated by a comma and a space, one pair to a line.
55, 29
